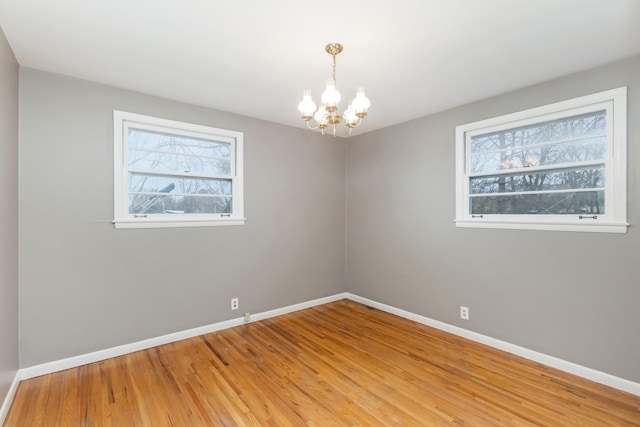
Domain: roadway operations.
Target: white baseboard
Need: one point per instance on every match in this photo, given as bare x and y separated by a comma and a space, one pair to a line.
6, 404
554, 362
96, 356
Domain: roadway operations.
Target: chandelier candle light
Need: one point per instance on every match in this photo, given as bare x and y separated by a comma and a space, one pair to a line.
328, 114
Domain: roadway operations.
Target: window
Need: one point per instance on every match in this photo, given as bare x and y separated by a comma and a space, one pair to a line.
556, 167
175, 174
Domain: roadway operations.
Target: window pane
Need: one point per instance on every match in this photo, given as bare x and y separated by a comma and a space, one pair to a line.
139, 183
150, 150
591, 202
539, 181
571, 139
163, 203
565, 152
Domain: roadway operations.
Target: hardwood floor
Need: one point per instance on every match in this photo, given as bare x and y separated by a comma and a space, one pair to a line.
339, 364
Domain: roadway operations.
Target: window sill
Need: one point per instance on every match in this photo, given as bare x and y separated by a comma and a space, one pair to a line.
596, 227
163, 223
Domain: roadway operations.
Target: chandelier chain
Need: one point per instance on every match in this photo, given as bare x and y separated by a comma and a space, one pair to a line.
334, 67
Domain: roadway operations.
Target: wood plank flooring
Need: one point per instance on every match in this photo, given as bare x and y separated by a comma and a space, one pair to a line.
339, 364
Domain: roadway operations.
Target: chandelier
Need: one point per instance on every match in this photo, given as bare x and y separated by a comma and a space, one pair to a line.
327, 114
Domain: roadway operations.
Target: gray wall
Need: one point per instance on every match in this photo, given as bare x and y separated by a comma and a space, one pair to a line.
570, 295
8, 216
85, 286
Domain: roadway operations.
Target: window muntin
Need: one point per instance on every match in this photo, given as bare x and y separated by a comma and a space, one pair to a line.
175, 174
547, 167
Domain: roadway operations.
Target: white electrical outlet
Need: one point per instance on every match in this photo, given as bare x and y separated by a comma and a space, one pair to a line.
247, 317
235, 303
464, 313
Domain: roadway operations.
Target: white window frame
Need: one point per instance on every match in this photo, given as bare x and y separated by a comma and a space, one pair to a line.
123, 219
615, 218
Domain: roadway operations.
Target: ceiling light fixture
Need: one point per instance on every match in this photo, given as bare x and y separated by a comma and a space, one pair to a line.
328, 114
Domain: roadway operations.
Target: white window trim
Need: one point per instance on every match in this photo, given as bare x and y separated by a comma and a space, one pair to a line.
123, 219
615, 218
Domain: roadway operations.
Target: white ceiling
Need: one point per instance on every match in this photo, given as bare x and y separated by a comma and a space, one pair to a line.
255, 57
